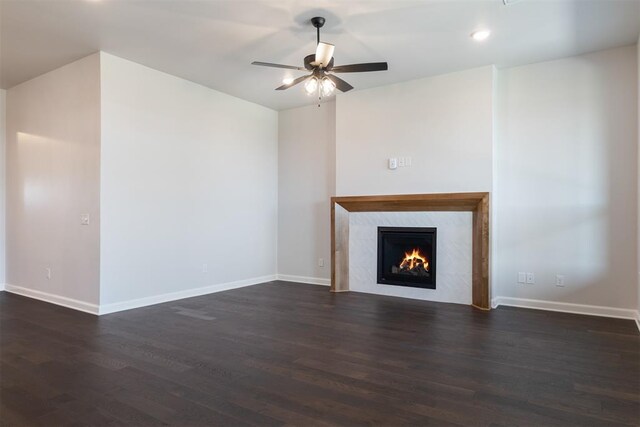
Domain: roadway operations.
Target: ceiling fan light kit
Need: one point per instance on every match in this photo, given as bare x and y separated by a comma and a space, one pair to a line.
327, 86
311, 85
322, 79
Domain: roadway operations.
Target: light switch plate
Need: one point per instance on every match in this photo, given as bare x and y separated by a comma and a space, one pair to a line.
393, 163
522, 277
84, 219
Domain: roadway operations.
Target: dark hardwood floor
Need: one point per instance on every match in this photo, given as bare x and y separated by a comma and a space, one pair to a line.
283, 353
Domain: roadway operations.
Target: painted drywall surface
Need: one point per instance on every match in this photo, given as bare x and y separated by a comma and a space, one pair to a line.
53, 177
567, 174
3, 178
453, 281
189, 177
306, 182
443, 123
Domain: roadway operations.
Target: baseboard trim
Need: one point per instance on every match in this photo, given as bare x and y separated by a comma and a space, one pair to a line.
189, 293
53, 299
565, 307
591, 310
304, 279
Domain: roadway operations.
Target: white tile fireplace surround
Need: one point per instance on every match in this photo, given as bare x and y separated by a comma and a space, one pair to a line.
454, 249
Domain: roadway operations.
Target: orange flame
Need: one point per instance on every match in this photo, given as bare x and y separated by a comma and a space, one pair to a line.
414, 259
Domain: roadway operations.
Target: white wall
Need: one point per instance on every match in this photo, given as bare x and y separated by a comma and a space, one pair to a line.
443, 123
306, 182
567, 174
3, 186
189, 177
53, 177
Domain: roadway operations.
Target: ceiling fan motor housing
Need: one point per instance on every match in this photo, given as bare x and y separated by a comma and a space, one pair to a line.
310, 59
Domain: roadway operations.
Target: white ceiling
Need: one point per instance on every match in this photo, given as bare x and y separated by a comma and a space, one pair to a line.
212, 42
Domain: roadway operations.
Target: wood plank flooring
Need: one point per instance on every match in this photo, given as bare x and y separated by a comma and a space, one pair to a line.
292, 354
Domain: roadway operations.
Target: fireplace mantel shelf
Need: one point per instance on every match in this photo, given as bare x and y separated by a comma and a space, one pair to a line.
477, 203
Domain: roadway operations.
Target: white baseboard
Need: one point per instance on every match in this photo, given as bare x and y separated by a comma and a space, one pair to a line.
53, 299
304, 279
173, 296
565, 307
592, 310
141, 302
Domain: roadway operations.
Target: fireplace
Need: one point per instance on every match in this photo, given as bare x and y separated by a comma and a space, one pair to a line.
407, 256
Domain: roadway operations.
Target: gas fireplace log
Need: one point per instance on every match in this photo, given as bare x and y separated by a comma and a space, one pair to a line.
418, 270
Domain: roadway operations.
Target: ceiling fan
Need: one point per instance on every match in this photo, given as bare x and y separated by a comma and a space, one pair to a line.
321, 66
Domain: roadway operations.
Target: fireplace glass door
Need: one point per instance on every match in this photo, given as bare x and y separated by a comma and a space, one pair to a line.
407, 256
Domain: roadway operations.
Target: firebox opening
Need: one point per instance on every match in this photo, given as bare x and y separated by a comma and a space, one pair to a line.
407, 256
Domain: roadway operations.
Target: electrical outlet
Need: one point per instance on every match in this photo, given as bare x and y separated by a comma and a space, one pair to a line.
560, 280
522, 277
320, 262
401, 162
393, 163
48, 273
531, 278
205, 268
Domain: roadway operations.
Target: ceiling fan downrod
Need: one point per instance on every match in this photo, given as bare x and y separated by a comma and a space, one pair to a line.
318, 22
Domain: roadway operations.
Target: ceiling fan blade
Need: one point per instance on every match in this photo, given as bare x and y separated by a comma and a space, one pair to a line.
293, 83
269, 64
359, 68
340, 84
324, 53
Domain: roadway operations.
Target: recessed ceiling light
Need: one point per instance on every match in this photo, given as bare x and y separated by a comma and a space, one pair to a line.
480, 35
287, 80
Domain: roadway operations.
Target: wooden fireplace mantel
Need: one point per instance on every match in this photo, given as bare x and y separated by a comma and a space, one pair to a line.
478, 203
